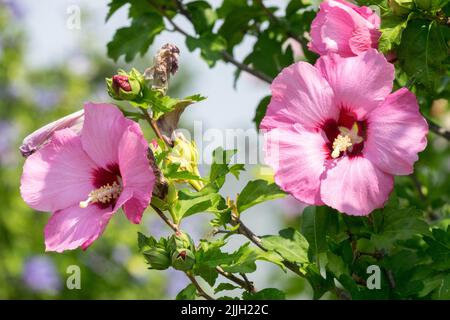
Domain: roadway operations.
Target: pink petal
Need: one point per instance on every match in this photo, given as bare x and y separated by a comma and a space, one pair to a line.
360, 83
299, 95
317, 45
75, 227
396, 133
58, 175
361, 41
298, 158
337, 30
137, 175
103, 127
355, 186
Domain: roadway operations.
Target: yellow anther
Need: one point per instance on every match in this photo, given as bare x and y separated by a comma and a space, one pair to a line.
340, 144
345, 140
103, 194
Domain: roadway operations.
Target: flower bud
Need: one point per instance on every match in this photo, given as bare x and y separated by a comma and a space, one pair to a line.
185, 154
172, 194
125, 86
401, 7
158, 258
42, 136
183, 259
180, 240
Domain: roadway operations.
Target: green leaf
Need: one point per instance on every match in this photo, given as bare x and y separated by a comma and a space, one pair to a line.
243, 260
265, 294
237, 17
172, 172
129, 41
209, 256
236, 169
145, 242
211, 47
398, 224
115, 5
317, 222
225, 287
319, 284
163, 104
188, 293
290, 244
423, 52
220, 166
203, 16
443, 290
257, 191
439, 248
261, 111
391, 32
268, 55
189, 202
336, 265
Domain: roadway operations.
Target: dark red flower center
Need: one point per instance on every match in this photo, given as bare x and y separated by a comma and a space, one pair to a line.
346, 134
108, 186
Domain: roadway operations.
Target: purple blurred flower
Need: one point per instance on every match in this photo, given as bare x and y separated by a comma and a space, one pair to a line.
13, 7
40, 275
8, 133
46, 98
291, 207
176, 281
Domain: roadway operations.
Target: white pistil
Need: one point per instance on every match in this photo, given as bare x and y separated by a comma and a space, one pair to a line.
103, 194
345, 140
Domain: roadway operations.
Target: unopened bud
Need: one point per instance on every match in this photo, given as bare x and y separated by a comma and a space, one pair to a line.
180, 240
183, 259
158, 258
121, 82
42, 136
125, 86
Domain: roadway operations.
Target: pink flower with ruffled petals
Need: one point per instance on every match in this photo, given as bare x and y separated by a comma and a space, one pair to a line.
83, 179
344, 28
336, 135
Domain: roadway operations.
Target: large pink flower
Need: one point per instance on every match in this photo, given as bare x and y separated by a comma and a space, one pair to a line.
85, 178
336, 135
344, 28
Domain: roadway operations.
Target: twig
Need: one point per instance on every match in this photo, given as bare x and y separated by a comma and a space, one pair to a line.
245, 284
248, 282
245, 231
418, 186
172, 225
154, 126
434, 127
200, 290
227, 57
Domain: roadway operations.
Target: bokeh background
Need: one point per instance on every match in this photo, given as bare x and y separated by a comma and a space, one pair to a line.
48, 70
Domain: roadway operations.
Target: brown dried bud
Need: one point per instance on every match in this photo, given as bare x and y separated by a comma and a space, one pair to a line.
165, 63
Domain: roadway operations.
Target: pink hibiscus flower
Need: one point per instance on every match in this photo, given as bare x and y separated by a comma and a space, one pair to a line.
344, 28
336, 135
83, 179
